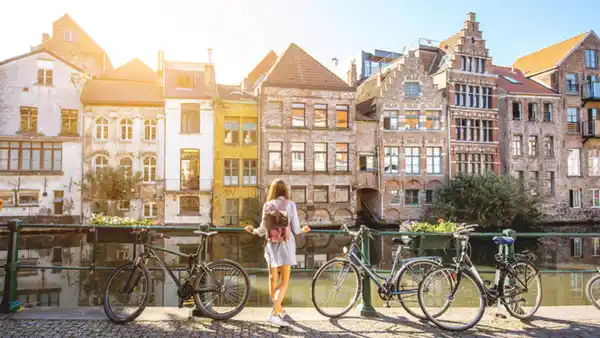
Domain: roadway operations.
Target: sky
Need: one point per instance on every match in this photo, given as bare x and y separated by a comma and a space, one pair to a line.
241, 32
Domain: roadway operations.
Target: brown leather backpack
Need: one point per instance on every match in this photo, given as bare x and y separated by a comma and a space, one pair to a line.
277, 224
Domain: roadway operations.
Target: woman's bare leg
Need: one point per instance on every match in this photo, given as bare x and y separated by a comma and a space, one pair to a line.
273, 284
285, 271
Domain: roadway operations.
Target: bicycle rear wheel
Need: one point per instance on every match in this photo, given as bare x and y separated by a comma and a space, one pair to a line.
335, 283
592, 291
227, 288
411, 275
126, 293
453, 312
520, 288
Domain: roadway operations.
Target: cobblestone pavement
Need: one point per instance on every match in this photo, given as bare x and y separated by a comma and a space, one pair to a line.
384, 326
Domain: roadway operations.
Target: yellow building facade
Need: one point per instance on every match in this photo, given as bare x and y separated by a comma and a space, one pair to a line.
235, 195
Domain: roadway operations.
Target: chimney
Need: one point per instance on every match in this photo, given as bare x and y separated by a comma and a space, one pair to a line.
210, 56
351, 74
45, 37
471, 17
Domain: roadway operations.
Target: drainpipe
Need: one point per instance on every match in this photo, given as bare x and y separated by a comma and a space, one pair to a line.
378, 155
259, 141
449, 124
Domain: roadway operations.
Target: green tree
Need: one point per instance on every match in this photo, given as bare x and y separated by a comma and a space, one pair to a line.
493, 202
106, 187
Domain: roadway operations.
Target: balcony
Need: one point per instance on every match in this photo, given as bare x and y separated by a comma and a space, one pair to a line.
189, 185
590, 91
590, 129
573, 127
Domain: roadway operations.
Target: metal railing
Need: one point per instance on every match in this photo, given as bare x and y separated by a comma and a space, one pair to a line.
590, 90
14, 264
590, 128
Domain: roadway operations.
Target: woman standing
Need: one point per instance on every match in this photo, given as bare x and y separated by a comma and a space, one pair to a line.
280, 255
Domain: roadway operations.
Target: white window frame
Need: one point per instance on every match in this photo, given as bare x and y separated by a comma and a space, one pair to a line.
391, 159
414, 154
577, 198
596, 246
593, 162
126, 125
298, 150
70, 36
9, 194
412, 89
149, 128
434, 160
148, 169
577, 247
24, 192
395, 193
104, 125
595, 198
102, 165
153, 209
574, 162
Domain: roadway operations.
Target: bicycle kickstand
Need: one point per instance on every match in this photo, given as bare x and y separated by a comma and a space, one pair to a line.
499, 313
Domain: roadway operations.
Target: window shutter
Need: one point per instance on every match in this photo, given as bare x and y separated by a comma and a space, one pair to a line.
386, 123
572, 240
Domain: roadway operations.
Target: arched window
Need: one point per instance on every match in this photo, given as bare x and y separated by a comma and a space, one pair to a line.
101, 128
149, 174
149, 130
100, 162
126, 129
126, 163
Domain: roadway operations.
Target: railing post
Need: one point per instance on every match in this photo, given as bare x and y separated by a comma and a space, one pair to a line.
12, 261
509, 250
365, 308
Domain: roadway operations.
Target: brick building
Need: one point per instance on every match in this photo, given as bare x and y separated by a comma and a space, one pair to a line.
571, 69
308, 137
411, 139
531, 127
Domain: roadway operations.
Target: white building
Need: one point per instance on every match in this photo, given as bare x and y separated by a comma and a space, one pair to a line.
189, 107
40, 130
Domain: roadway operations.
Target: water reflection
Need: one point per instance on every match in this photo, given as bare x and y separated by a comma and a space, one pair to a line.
75, 288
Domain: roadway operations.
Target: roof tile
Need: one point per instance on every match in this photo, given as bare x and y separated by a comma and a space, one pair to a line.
548, 57
122, 92
507, 78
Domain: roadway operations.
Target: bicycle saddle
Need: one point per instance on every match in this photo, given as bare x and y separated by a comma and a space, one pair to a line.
204, 233
503, 240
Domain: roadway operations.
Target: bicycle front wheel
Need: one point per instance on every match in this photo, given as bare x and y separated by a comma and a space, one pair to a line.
592, 291
521, 289
452, 300
336, 287
222, 290
411, 275
126, 293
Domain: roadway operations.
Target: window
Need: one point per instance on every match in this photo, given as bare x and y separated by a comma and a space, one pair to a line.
547, 112
101, 128
342, 194
298, 115
534, 181
232, 129
149, 169
411, 197
395, 196
190, 118
30, 156
510, 79
577, 251
124, 205
150, 210
573, 162
471, 100
412, 89
517, 145
575, 198
474, 130
488, 162
475, 162
367, 163
476, 103
70, 36
299, 194
434, 160
411, 120
298, 152
390, 160
321, 115
100, 162
150, 130
516, 109
532, 112
341, 157
460, 95
320, 155
125, 163
274, 156
29, 119
8, 198
249, 172
68, 121
189, 205
433, 119
549, 183
462, 163
232, 210
341, 116
572, 120
591, 59
595, 198
461, 129
28, 198
186, 82
520, 176
487, 131
231, 172
390, 120
190, 169
486, 97
126, 129
249, 130
412, 158
596, 243
593, 162
45, 72
548, 146
572, 87
321, 195
429, 196
532, 147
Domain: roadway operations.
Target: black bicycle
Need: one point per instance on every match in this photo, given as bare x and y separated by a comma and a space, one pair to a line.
220, 289
517, 286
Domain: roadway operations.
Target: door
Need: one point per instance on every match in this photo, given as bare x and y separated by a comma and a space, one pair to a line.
58, 202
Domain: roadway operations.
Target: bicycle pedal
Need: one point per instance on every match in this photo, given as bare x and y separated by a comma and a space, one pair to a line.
501, 316
387, 305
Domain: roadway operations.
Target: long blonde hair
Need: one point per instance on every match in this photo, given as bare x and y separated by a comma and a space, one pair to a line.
277, 189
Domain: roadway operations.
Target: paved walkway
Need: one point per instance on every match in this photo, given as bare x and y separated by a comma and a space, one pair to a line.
573, 321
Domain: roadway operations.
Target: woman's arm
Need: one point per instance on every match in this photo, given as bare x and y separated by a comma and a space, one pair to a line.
261, 230
294, 220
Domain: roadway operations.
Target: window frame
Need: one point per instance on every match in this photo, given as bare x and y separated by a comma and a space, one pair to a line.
320, 108
188, 212
28, 119
342, 109
344, 153
150, 128
591, 59
271, 152
102, 128
250, 128
324, 189
412, 89
431, 160
365, 158
298, 164
126, 129
395, 196
517, 145
411, 119
339, 188
193, 157
575, 198
393, 159
577, 170
593, 167
549, 146
149, 169
229, 130
595, 200
189, 112
70, 117
101, 166
408, 195
231, 172
295, 190
412, 160
316, 154
393, 120
152, 208
296, 108
249, 172
532, 146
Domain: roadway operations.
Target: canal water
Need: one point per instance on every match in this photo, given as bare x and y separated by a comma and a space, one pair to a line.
48, 285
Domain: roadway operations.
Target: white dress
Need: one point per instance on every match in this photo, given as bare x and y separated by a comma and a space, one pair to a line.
284, 253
